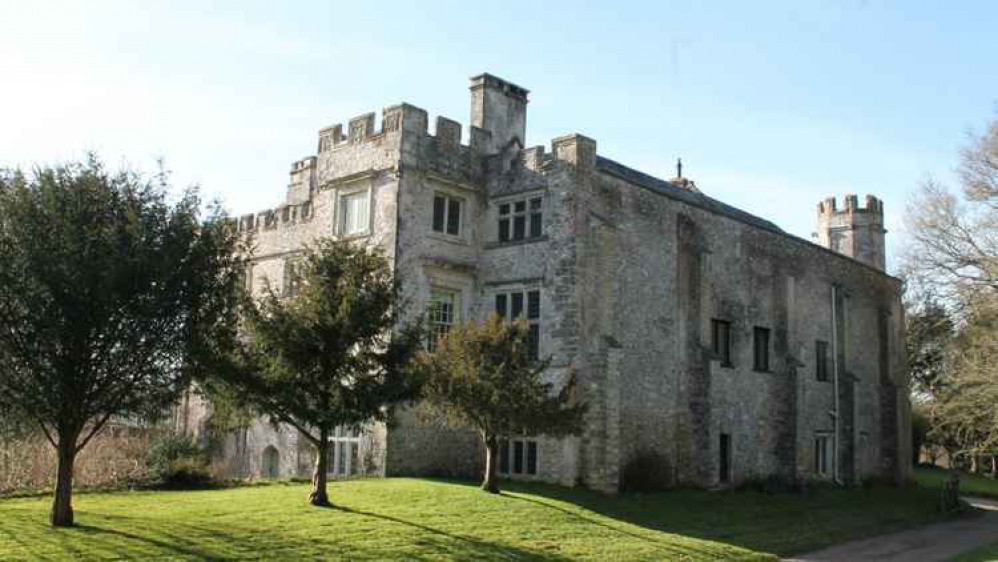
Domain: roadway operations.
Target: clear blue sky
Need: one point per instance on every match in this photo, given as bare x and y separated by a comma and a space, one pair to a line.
772, 106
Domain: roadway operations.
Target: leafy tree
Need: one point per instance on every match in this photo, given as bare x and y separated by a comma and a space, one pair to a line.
109, 299
928, 331
331, 354
480, 374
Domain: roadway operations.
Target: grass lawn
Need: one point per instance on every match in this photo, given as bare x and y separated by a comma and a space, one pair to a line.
970, 484
434, 519
983, 554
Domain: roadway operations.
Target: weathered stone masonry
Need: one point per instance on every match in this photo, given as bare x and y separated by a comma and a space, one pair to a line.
634, 275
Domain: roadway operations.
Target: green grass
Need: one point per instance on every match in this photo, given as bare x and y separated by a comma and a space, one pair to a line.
983, 554
433, 519
987, 553
970, 484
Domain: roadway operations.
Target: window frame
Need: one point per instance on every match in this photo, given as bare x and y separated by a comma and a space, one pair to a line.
530, 310
822, 371
341, 211
524, 212
529, 448
719, 326
449, 200
291, 276
434, 324
823, 455
343, 439
761, 361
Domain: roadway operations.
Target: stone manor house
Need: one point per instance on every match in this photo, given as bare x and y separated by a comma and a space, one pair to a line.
699, 333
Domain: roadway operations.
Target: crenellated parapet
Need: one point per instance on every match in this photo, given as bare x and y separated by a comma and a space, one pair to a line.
850, 204
282, 216
853, 230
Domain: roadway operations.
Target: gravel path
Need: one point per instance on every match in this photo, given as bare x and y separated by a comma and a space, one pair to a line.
932, 543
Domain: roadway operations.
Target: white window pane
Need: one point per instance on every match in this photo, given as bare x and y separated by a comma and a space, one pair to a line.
354, 213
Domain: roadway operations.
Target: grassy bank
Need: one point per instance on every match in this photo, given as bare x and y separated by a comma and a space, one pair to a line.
432, 519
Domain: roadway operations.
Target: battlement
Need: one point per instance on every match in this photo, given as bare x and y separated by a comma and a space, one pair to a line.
361, 128
873, 206
405, 117
273, 219
306, 163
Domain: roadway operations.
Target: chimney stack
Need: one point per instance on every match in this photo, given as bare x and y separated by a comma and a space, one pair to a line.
499, 107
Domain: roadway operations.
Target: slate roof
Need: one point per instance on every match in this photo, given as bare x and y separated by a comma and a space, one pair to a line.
672, 190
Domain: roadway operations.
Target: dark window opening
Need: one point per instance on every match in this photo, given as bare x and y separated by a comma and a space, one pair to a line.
453, 217
513, 305
761, 354
721, 341
439, 213
521, 220
501, 305
517, 308
447, 215
504, 230
534, 342
725, 460
821, 360
519, 227
518, 456
533, 305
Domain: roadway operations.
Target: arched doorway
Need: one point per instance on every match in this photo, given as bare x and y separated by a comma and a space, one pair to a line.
271, 462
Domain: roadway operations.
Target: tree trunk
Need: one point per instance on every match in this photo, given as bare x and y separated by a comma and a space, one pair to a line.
318, 494
491, 483
62, 504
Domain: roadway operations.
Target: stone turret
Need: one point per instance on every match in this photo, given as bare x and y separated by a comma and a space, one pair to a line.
499, 107
854, 231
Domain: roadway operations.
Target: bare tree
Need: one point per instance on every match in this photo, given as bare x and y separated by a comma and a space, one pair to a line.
954, 233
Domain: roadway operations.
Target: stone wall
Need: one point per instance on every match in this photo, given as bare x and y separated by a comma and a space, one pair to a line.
631, 271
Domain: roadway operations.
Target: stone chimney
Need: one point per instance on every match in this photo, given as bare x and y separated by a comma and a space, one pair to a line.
499, 107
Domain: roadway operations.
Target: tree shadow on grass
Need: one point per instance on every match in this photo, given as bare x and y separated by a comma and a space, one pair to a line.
774, 524
462, 547
100, 535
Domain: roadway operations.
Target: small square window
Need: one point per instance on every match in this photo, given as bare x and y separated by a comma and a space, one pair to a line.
520, 206
504, 209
